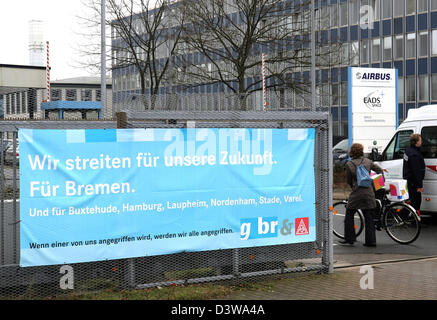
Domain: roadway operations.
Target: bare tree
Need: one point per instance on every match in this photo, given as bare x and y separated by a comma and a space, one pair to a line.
232, 35
145, 38
89, 31
159, 39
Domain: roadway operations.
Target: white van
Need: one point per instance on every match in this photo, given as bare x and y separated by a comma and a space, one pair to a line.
423, 121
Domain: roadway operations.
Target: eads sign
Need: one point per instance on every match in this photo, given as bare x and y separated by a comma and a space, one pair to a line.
372, 106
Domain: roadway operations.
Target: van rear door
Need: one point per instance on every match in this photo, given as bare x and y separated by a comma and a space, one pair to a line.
429, 150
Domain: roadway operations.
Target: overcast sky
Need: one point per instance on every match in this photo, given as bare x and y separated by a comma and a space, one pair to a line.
60, 29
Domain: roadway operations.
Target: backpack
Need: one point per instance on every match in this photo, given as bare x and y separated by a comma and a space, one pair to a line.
363, 176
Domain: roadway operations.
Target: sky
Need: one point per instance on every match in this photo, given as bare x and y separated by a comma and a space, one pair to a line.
61, 28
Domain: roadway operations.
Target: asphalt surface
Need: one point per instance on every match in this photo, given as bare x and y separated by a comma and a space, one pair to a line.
389, 271
407, 280
397, 272
387, 249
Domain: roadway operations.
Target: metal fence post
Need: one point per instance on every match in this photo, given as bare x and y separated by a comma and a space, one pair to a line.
235, 263
2, 207
130, 273
330, 249
121, 120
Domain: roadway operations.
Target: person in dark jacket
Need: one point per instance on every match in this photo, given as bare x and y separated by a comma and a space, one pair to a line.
413, 170
360, 198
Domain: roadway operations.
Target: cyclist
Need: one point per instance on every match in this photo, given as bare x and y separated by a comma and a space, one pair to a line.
360, 198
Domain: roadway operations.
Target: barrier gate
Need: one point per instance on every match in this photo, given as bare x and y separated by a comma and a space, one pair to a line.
237, 265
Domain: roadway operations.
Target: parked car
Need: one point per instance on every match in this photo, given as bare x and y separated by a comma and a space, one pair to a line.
4, 146
340, 152
12, 154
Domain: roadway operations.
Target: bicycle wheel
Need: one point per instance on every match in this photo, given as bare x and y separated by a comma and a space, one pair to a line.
401, 223
339, 213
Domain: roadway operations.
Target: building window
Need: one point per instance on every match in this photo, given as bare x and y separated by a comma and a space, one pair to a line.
85, 95
55, 94
387, 49
398, 8
316, 17
334, 16
387, 9
344, 54
124, 82
410, 7
13, 103
422, 5
325, 95
334, 94
354, 56
400, 90
343, 14
98, 95
411, 45
376, 47
23, 102
353, 12
375, 4
434, 42
423, 87
324, 19
398, 47
344, 94
434, 87
423, 44
364, 50
410, 87
433, 5
18, 97
71, 94
8, 104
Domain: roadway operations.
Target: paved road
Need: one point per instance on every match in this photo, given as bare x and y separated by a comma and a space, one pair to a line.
387, 249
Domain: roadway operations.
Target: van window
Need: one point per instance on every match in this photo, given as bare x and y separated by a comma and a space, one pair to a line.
397, 146
429, 142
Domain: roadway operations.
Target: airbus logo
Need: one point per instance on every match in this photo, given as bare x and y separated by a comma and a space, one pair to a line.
373, 76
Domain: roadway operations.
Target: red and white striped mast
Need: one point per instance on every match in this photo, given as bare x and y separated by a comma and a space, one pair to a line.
48, 72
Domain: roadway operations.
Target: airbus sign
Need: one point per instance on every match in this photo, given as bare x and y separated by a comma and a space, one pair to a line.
372, 106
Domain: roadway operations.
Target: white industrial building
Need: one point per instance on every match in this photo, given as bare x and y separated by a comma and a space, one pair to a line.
23, 90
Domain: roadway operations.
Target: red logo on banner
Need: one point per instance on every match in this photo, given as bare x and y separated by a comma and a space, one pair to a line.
433, 168
302, 226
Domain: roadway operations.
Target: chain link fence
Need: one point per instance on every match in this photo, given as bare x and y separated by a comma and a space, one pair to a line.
235, 265
275, 100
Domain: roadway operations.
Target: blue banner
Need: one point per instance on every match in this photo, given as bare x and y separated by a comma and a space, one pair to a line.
90, 195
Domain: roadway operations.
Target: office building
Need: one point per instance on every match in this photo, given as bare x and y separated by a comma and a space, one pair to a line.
399, 34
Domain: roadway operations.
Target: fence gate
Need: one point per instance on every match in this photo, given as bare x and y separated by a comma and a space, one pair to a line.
238, 265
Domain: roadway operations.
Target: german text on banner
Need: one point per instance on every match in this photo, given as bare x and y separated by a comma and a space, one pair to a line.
91, 195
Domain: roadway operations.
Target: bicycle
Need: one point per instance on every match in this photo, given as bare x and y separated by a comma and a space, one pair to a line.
399, 219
